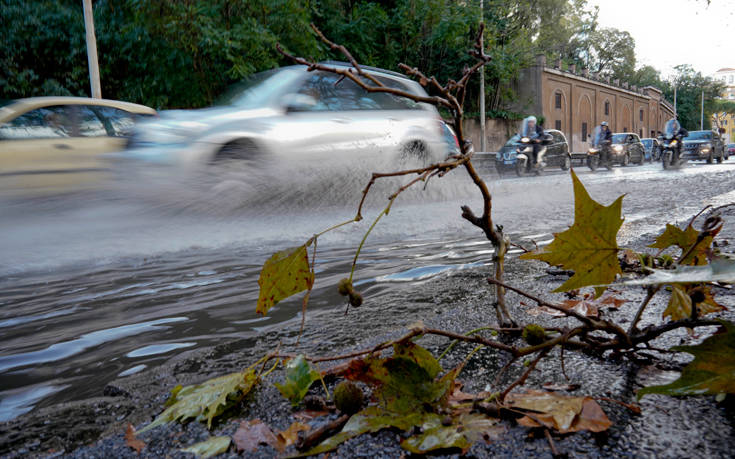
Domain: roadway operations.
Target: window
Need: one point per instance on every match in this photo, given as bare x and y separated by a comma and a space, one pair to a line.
42, 123
557, 125
116, 122
641, 115
607, 107
730, 79
584, 132
640, 132
557, 100
90, 125
625, 129
347, 95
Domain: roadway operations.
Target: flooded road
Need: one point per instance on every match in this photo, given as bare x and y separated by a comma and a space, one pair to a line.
108, 283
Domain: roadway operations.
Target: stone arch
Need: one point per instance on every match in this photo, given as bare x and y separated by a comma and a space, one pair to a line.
626, 120
585, 118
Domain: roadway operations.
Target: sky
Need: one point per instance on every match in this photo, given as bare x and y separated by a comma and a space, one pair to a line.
673, 32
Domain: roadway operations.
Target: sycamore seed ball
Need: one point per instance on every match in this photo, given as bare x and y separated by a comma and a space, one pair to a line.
348, 397
534, 334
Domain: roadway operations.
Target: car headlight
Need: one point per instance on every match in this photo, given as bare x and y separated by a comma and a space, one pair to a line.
618, 148
525, 140
706, 147
673, 143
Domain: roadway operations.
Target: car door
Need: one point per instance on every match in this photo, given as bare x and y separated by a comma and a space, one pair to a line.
328, 127
53, 147
553, 155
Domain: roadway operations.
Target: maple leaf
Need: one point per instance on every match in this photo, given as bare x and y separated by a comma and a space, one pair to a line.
711, 372
251, 434
132, 441
206, 400
562, 413
680, 302
284, 274
299, 377
589, 247
684, 239
587, 306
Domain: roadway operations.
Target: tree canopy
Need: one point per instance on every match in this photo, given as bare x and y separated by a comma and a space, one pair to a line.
184, 53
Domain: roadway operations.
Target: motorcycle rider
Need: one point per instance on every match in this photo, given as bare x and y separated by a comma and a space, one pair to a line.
535, 133
605, 142
679, 133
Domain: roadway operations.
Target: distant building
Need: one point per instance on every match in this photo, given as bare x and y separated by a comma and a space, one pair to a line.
727, 122
575, 103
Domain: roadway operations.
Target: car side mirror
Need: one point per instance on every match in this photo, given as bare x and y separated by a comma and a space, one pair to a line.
296, 102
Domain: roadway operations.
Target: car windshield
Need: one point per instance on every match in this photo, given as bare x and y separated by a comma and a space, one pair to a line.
648, 143
619, 138
261, 89
513, 141
699, 135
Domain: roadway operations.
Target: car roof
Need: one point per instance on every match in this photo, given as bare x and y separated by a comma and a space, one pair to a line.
20, 106
366, 67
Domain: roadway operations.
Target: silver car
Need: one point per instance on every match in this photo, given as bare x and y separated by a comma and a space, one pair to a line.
289, 113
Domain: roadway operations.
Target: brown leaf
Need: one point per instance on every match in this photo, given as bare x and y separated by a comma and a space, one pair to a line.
253, 433
131, 441
587, 306
289, 436
308, 415
560, 412
559, 387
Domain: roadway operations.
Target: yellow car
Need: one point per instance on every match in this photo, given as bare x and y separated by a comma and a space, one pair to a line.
55, 143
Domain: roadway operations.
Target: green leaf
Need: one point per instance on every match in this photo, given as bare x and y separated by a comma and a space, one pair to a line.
711, 372
461, 433
284, 274
299, 377
589, 247
719, 270
684, 240
209, 448
406, 381
206, 400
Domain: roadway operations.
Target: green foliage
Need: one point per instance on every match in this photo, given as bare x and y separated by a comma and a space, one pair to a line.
299, 377
689, 88
589, 247
711, 372
284, 274
207, 400
210, 447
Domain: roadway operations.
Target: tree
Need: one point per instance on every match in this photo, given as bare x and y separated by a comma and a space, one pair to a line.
690, 87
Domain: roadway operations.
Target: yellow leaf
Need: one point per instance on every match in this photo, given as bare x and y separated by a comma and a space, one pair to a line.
284, 274
680, 304
589, 247
684, 239
209, 448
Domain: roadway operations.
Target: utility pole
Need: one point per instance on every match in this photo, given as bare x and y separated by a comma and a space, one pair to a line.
94, 70
674, 98
482, 84
701, 116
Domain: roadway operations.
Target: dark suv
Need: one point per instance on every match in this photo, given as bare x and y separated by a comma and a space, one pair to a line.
705, 145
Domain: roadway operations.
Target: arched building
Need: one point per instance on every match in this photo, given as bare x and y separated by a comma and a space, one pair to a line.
575, 104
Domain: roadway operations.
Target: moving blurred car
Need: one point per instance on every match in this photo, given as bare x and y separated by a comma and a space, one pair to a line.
49, 142
652, 149
706, 145
557, 153
289, 113
626, 147
450, 138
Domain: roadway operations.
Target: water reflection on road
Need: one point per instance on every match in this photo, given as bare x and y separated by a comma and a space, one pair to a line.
103, 284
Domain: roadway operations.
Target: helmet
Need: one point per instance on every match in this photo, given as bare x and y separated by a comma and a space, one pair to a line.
604, 123
531, 118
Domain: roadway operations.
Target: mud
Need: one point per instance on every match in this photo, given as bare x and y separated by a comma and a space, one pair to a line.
458, 301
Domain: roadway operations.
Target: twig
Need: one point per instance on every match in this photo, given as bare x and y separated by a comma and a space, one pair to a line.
326, 430
554, 452
522, 380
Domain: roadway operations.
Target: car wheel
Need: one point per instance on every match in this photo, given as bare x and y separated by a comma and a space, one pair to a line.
719, 158
643, 158
566, 162
243, 152
626, 159
666, 159
414, 153
726, 155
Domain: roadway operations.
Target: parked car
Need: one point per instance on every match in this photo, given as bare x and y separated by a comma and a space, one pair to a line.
703, 145
729, 150
652, 149
50, 142
626, 147
290, 113
557, 153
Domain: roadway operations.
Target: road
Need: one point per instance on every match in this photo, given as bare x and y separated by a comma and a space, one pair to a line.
102, 285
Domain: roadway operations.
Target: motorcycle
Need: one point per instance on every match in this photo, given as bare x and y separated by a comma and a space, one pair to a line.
599, 153
524, 151
671, 145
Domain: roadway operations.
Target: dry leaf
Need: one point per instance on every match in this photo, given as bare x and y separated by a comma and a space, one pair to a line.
132, 441
559, 412
253, 433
